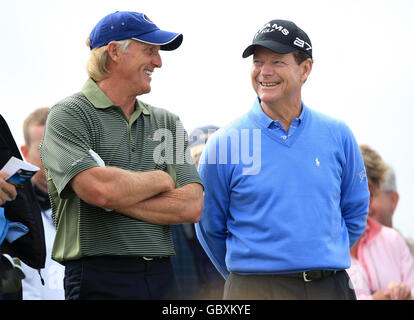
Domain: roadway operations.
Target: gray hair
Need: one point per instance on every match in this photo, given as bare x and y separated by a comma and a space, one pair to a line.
389, 184
96, 66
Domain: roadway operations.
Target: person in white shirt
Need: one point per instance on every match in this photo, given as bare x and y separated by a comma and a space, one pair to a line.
53, 273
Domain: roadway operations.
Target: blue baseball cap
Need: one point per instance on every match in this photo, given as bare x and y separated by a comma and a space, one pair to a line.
122, 25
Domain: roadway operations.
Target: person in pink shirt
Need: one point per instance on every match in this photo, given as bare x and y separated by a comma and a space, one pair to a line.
384, 203
382, 267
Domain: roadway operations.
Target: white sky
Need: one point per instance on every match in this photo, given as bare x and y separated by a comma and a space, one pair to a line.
363, 70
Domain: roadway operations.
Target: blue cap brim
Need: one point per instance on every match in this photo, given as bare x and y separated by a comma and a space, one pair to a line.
167, 40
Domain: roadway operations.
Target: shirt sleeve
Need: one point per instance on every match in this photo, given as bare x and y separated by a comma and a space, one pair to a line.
65, 146
212, 228
359, 280
407, 263
183, 170
354, 189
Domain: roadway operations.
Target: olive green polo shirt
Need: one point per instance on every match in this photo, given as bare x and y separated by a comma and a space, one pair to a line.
152, 139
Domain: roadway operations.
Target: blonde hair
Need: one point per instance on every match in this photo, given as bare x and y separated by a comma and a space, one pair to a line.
374, 165
96, 66
36, 118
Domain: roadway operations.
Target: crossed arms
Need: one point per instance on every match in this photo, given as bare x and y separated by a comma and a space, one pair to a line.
148, 196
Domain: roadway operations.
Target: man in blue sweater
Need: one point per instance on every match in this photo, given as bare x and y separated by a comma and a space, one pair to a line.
286, 194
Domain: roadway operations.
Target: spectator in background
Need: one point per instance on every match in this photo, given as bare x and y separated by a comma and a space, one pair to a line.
198, 139
7, 191
385, 199
382, 267
384, 202
53, 273
29, 246
196, 276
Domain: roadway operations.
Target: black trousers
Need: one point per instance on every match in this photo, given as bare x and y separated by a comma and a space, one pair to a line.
276, 287
115, 278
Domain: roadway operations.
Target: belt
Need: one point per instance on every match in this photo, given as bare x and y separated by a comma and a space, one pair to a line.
308, 276
104, 259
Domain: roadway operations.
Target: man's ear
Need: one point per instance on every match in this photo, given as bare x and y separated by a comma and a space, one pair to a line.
306, 69
25, 151
113, 51
394, 198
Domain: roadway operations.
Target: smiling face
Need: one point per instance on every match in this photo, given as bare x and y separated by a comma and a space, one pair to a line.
137, 64
278, 77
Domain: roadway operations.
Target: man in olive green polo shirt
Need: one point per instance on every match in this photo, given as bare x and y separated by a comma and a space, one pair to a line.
118, 170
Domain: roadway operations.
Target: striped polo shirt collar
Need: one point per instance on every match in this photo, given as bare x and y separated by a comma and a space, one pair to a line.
101, 101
